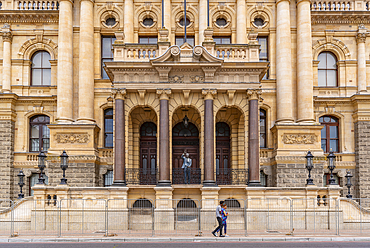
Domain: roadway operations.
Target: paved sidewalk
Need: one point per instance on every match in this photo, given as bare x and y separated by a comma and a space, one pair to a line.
187, 239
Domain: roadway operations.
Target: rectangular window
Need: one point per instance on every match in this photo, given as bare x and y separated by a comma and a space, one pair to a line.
34, 179
108, 178
148, 40
264, 56
222, 40
180, 40
106, 53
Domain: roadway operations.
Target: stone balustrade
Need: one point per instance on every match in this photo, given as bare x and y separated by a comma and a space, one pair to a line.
37, 5
332, 5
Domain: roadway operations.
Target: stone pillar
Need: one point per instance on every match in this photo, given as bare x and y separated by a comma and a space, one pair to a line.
7, 60
253, 138
304, 62
361, 58
209, 138
86, 63
284, 88
167, 16
129, 21
119, 138
164, 138
202, 19
65, 66
241, 28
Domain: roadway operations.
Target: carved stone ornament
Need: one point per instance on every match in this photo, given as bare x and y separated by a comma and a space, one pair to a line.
254, 94
361, 37
197, 79
299, 138
7, 36
176, 79
164, 94
119, 93
209, 93
72, 138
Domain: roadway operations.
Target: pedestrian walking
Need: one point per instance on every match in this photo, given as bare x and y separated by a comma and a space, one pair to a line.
219, 219
224, 215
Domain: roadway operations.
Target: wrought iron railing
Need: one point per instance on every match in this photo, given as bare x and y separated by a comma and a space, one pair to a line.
227, 176
178, 176
141, 176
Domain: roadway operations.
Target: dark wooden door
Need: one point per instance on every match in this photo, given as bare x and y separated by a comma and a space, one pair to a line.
223, 169
148, 154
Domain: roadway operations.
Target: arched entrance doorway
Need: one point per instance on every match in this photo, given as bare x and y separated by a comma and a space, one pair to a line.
185, 138
223, 173
148, 153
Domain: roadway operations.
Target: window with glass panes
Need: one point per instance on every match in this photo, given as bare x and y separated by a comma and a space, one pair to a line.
262, 128
108, 128
106, 53
326, 178
327, 70
181, 40
329, 133
108, 178
39, 133
34, 179
264, 56
148, 40
222, 40
41, 69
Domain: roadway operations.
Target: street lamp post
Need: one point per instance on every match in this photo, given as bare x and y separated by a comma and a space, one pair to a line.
42, 157
331, 167
349, 184
64, 166
309, 157
21, 183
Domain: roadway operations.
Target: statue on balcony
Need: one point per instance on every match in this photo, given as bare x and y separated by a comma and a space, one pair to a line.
186, 166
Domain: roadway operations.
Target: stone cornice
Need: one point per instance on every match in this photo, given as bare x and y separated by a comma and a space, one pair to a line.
340, 17
29, 16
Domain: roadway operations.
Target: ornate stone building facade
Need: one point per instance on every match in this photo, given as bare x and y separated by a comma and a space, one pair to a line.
124, 90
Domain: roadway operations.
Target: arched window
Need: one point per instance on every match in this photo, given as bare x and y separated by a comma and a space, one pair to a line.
148, 129
39, 133
186, 203
181, 130
40, 69
263, 140
142, 203
222, 129
108, 128
328, 72
329, 133
232, 203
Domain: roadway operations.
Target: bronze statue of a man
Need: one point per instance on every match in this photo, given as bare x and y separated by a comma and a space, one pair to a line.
186, 166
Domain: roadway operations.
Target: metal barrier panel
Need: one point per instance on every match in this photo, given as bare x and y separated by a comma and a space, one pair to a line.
130, 216
235, 222
36, 217
354, 216
270, 215
82, 216
176, 216
6, 217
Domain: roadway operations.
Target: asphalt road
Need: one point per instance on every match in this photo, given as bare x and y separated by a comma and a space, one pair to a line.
190, 245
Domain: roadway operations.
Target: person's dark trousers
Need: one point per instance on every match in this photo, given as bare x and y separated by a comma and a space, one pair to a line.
187, 175
219, 226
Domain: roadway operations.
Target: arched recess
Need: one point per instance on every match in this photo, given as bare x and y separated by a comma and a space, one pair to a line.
109, 9
333, 45
147, 10
226, 12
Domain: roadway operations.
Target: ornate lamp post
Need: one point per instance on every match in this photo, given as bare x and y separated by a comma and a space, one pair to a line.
309, 167
42, 157
64, 166
21, 183
331, 167
349, 184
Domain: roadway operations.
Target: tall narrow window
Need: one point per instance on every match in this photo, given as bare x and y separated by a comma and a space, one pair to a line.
39, 133
329, 133
108, 128
106, 53
108, 178
264, 56
327, 70
41, 69
263, 141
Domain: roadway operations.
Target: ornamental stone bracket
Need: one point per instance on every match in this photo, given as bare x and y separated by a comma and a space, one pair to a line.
163, 72
209, 73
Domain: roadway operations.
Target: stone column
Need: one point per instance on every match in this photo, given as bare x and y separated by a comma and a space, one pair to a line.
164, 138
253, 138
7, 60
129, 21
202, 19
304, 62
65, 66
361, 58
86, 63
209, 138
119, 138
284, 88
241, 28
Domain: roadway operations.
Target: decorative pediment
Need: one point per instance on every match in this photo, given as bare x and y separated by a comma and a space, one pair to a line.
187, 54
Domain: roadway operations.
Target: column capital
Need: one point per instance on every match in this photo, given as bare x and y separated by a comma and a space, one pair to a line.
209, 93
164, 94
279, 1
254, 94
301, 1
361, 34
6, 32
119, 94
